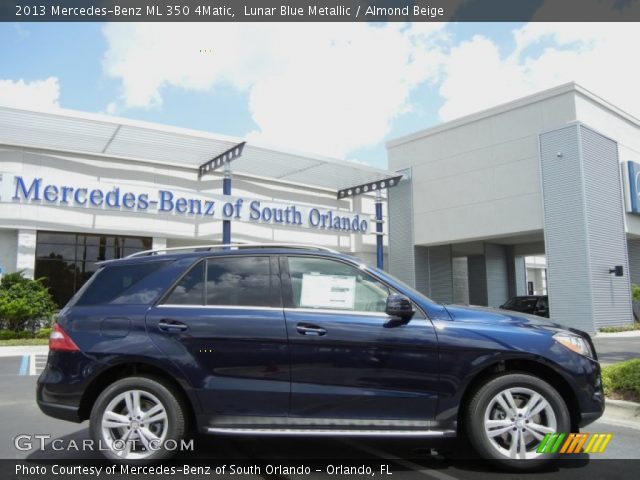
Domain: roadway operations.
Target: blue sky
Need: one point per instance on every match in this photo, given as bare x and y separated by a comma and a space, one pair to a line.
339, 91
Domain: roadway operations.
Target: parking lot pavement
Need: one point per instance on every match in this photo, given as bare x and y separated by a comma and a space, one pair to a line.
411, 458
612, 349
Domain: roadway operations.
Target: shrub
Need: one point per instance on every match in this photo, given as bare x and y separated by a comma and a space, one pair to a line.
623, 328
13, 335
622, 380
7, 334
14, 278
635, 292
25, 304
43, 332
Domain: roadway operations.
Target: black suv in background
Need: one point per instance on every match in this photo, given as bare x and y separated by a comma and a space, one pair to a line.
294, 340
532, 304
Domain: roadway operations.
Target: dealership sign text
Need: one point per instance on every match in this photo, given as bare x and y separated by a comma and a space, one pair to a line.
169, 202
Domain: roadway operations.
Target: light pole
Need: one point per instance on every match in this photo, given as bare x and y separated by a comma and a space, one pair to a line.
224, 159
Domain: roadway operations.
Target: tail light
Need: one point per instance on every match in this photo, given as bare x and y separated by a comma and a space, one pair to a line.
60, 341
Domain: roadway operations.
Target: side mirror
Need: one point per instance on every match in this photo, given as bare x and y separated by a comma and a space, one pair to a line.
399, 308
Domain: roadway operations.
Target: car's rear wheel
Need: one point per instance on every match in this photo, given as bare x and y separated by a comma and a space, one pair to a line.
509, 416
137, 418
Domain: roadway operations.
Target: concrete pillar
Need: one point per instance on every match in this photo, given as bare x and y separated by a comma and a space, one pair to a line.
158, 243
434, 272
460, 280
489, 276
26, 260
477, 268
517, 273
9, 250
520, 271
402, 263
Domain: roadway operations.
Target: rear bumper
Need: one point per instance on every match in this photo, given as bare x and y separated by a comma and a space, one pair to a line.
61, 385
60, 411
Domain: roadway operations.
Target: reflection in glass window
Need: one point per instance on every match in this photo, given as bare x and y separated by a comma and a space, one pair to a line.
67, 260
190, 290
324, 283
239, 281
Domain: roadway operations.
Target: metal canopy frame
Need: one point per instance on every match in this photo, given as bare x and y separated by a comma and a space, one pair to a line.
224, 159
376, 187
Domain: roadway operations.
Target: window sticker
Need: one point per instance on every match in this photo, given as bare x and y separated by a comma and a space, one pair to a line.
328, 291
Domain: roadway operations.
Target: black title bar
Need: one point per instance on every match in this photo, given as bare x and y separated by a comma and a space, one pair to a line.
318, 11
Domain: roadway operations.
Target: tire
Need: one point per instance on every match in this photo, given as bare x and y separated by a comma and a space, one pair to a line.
491, 403
123, 438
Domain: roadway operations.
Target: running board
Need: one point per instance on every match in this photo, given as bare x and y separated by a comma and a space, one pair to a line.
314, 432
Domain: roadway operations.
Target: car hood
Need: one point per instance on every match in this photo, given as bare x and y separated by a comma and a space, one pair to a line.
475, 314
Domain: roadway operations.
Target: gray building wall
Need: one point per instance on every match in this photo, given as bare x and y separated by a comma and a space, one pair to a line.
440, 269
605, 227
421, 259
584, 234
402, 262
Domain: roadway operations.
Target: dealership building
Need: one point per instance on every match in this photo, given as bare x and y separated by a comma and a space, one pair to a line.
78, 188
553, 174
538, 195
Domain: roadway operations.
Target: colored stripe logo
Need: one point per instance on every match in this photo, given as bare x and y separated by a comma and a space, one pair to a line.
574, 443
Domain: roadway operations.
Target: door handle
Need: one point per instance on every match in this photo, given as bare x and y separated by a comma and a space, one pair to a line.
312, 330
172, 326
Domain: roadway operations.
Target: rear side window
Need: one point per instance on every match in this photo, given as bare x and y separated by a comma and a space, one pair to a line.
241, 281
122, 284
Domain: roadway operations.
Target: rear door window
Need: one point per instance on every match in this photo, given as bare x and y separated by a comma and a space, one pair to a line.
235, 281
241, 281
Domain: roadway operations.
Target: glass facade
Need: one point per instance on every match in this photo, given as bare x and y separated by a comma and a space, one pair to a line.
67, 260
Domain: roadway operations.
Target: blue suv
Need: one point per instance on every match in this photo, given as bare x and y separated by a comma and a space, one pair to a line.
296, 340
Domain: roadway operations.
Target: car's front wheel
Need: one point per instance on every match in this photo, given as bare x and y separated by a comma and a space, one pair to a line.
509, 416
137, 418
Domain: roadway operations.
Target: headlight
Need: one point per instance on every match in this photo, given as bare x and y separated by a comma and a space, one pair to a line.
575, 343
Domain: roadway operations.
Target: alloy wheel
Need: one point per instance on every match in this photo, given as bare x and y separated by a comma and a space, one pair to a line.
134, 424
516, 420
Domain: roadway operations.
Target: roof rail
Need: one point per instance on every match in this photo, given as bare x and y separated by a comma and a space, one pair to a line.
237, 246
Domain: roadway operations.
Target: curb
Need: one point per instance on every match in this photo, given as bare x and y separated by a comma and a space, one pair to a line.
20, 350
627, 334
623, 410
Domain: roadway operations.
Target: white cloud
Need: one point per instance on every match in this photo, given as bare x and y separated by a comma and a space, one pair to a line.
335, 88
38, 94
325, 88
596, 55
